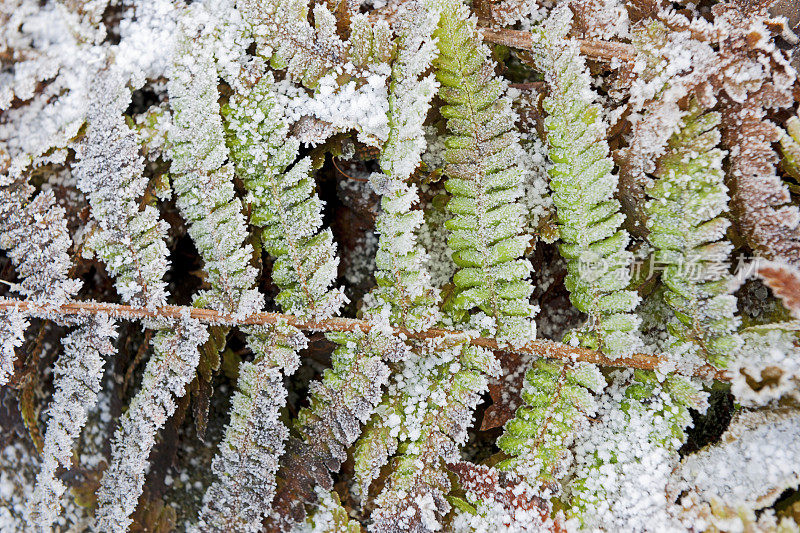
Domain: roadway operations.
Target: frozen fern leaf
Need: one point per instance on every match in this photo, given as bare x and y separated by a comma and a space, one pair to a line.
202, 179
78, 374
343, 400
435, 426
583, 193
558, 398
170, 369
35, 236
12, 333
286, 38
484, 182
688, 197
282, 200
404, 289
410, 90
247, 460
110, 171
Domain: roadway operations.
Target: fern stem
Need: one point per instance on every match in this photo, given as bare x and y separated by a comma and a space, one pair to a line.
593, 49
539, 347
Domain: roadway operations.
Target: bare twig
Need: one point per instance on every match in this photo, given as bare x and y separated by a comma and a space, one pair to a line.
598, 50
539, 347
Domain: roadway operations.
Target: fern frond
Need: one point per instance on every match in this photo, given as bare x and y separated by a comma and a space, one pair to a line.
688, 197
340, 402
404, 291
485, 183
247, 460
622, 465
283, 201
35, 236
130, 241
410, 90
583, 193
285, 37
12, 333
202, 179
378, 442
557, 399
346, 395
437, 416
760, 200
77, 381
170, 369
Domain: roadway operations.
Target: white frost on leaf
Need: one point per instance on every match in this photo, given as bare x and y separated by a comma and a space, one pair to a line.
170, 369
247, 460
12, 332
34, 233
202, 177
755, 461
78, 373
110, 172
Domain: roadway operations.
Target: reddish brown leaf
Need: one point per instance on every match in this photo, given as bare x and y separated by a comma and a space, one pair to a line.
507, 489
505, 391
784, 280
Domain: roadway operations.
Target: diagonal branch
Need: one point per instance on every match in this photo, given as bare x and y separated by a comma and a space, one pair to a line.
593, 49
539, 347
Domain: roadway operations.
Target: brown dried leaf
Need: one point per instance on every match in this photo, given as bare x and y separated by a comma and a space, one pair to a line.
760, 200
505, 488
505, 391
784, 280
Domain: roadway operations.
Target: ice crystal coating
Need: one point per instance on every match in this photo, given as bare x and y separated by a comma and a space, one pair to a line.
168, 372
247, 461
78, 373
202, 179
450, 377
34, 234
583, 193
282, 200
622, 465
688, 197
129, 240
771, 467
484, 181
558, 399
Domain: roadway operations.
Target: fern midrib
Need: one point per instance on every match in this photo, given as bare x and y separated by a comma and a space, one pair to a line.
301, 278
695, 333
479, 200
404, 302
595, 316
243, 449
556, 398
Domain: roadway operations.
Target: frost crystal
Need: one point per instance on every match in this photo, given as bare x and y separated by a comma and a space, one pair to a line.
12, 333
78, 373
168, 372
109, 171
